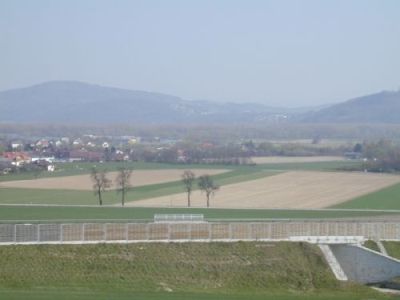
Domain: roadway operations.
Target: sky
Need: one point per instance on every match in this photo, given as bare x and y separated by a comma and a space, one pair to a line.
280, 53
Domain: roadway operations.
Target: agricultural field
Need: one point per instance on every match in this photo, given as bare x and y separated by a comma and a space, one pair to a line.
386, 198
84, 182
172, 271
268, 181
290, 190
288, 159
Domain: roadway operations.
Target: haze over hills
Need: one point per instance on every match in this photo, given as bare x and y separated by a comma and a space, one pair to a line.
71, 101
383, 107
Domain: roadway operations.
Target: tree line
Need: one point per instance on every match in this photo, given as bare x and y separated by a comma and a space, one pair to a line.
101, 183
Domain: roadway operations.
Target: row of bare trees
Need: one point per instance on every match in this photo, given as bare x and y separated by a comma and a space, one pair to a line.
205, 184
101, 183
122, 182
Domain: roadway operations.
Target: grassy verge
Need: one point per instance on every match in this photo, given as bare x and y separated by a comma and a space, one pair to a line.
387, 198
371, 245
172, 271
76, 214
392, 248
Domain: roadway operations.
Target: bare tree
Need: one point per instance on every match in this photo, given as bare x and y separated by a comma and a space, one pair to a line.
123, 182
188, 179
100, 183
207, 185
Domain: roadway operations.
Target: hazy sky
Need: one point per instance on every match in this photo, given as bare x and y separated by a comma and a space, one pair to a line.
286, 53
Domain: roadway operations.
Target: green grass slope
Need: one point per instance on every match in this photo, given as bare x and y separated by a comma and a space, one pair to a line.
393, 249
171, 271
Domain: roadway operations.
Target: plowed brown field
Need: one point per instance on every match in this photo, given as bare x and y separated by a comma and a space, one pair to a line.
286, 190
83, 182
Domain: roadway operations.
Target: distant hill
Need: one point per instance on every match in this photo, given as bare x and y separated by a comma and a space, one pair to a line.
70, 101
383, 107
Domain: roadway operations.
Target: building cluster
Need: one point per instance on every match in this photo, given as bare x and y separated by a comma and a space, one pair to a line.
43, 153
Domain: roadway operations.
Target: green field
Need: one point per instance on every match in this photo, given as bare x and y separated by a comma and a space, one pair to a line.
172, 271
126, 214
387, 198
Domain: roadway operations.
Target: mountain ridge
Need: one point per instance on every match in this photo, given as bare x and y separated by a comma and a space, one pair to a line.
79, 102
64, 101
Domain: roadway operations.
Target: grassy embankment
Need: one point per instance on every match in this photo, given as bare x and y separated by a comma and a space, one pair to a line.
393, 249
172, 271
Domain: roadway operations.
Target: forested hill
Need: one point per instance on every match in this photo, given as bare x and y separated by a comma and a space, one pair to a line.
382, 107
70, 101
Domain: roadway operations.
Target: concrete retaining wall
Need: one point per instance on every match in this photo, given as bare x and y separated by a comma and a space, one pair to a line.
363, 265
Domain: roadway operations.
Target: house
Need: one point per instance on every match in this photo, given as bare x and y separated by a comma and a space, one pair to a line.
44, 164
49, 159
17, 146
42, 143
17, 158
77, 142
85, 155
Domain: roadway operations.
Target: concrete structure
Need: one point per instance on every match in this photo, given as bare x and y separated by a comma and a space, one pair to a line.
363, 265
333, 263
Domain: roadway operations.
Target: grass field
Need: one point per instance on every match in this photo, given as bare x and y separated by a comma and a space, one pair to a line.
172, 271
62, 294
387, 198
76, 214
